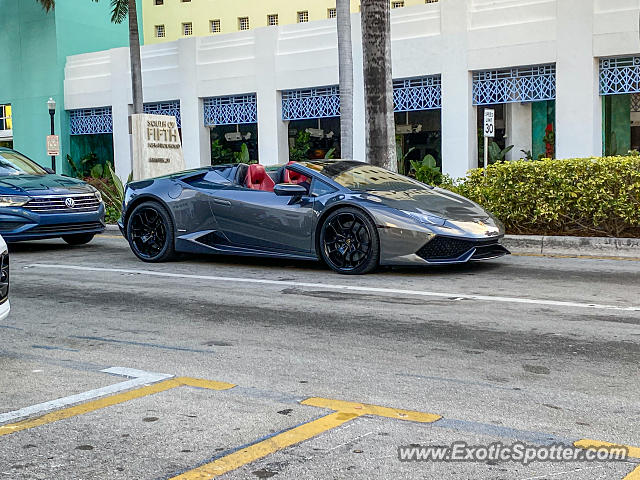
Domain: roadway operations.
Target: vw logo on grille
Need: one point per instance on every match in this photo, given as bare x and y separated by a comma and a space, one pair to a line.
70, 203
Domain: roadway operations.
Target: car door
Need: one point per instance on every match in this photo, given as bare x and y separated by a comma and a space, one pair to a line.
264, 221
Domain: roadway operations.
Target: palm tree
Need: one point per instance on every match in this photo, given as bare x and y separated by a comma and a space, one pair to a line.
345, 63
378, 83
119, 10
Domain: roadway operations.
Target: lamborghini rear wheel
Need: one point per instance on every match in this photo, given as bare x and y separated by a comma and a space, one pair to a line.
150, 233
349, 242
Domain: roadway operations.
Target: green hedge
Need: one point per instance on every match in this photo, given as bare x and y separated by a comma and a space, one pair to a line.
583, 196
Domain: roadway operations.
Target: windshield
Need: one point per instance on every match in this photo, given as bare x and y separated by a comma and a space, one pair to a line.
13, 163
360, 177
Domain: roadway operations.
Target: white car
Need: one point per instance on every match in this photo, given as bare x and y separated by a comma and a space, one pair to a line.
4, 280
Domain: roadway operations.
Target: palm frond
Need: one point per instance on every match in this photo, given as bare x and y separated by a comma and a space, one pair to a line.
119, 10
47, 4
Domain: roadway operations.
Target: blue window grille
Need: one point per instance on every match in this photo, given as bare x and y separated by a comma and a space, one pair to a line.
619, 75
310, 103
423, 93
90, 121
514, 85
165, 108
231, 110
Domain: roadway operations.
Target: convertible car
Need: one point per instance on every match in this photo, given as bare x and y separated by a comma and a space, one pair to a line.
352, 215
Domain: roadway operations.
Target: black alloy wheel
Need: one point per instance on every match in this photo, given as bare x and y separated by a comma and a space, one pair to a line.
349, 242
150, 233
78, 238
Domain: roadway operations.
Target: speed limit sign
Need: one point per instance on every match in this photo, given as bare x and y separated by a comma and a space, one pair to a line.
489, 123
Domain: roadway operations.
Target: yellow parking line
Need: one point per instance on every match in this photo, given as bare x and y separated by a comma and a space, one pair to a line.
201, 383
365, 409
88, 407
110, 236
634, 475
586, 443
266, 447
112, 400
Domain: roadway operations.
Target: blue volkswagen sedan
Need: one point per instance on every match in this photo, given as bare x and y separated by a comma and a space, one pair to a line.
36, 204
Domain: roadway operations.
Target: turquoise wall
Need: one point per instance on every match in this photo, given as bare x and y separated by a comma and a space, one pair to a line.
33, 48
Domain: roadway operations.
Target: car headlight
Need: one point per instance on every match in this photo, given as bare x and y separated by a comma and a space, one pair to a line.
426, 218
13, 200
96, 192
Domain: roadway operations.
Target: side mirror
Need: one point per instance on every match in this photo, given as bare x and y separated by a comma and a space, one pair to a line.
48, 170
289, 190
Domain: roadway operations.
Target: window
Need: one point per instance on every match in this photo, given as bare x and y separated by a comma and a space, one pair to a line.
185, 1
187, 29
5, 117
303, 16
243, 23
159, 2
430, 1
272, 19
160, 33
214, 26
332, 13
397, 4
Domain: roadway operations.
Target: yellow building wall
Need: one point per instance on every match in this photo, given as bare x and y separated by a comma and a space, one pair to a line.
173, 13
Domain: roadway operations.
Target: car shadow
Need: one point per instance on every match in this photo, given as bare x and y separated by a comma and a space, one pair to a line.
317, 266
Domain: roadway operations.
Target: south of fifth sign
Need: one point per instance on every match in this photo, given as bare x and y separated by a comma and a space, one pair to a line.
157, 149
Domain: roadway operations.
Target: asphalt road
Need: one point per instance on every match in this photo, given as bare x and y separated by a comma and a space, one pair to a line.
532, 349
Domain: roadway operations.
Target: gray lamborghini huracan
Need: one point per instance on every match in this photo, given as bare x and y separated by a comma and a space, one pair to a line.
351, 215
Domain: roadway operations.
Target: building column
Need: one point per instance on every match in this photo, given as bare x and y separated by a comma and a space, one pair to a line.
196, 138
359, 118
273, 132
120, 100
578, 104
459, 135
518, 126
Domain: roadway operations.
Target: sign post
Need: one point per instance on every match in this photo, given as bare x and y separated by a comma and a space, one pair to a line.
489, 132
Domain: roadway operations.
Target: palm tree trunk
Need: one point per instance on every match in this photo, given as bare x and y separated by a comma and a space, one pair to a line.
345, 63
134, 52
378, 83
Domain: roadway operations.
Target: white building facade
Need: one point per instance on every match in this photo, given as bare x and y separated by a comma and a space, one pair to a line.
450, 60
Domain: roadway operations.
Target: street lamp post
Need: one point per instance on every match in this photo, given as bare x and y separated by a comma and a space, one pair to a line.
52, 111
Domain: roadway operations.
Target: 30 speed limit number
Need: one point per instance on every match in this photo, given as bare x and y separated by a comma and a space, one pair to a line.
489, 123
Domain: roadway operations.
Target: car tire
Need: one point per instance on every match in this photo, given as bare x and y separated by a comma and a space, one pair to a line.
150, 233
349, 242
78, 238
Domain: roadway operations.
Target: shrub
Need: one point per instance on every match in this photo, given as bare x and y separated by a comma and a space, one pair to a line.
585, 196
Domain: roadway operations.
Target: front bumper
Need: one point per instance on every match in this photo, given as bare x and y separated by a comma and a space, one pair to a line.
18, 224
415, 246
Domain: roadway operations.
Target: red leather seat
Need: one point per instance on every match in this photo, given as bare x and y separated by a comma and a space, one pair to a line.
257, 178
294, 177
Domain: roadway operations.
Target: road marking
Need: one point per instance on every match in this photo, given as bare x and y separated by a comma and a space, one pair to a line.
587, 444
139, 378
365, 409
266, 447
350, 288
634, 475
93, 405
141, 344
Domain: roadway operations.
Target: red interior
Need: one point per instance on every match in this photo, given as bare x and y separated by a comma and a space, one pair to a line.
294, 177
257, 178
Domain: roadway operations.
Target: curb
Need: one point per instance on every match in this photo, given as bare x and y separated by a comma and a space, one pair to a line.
574, 246
550, 245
